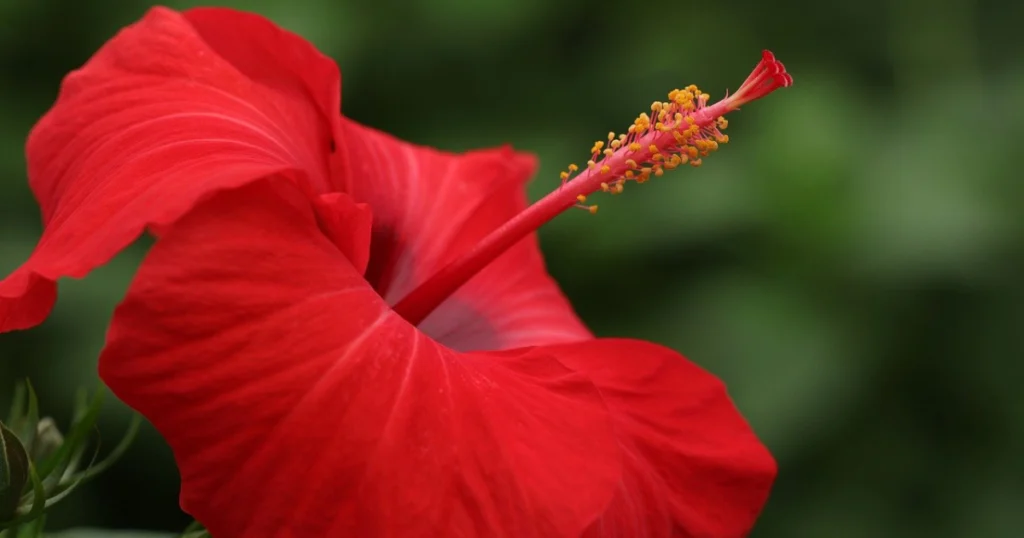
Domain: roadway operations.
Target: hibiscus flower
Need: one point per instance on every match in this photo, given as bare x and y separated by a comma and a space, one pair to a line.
342, 334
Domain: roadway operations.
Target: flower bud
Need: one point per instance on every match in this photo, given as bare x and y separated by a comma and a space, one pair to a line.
48, 439
14, 472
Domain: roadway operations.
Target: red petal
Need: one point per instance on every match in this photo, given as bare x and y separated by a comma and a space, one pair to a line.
694, 468
155, 121
298, 404
429, 207
276, 58
348, 225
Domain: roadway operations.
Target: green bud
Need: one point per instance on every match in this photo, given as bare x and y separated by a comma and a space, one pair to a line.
54, 463
14, 472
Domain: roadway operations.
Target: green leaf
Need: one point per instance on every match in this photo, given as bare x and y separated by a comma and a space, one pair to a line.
5, 463
104, 533
14, 473
194, 530
32, 417
38, 496
33, 529
83, 424
24, 415
64, 487
17, 404
116, 453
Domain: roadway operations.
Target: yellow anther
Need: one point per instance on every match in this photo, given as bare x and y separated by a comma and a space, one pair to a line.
642, 123
653, 152
592, 209
573, 167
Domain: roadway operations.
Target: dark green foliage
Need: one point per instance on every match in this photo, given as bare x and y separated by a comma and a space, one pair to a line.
850, 263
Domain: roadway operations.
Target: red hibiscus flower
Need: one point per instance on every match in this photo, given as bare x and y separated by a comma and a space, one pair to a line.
342, 334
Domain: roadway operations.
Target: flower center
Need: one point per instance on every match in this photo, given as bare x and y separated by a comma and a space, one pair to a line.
679, 131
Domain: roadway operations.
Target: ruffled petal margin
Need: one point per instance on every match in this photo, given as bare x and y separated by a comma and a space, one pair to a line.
154, 122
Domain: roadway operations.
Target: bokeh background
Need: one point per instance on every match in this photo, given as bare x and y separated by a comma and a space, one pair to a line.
851, 263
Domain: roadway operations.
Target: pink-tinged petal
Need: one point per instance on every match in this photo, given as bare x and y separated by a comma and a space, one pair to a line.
156, 120
298, 404
429, 207
693, 466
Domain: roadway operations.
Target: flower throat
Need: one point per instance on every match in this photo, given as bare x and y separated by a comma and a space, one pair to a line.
682, 130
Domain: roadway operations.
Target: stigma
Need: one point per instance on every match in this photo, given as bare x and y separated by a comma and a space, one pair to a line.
682, 130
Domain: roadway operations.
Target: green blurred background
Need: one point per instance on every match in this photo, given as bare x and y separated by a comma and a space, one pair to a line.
851, 263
